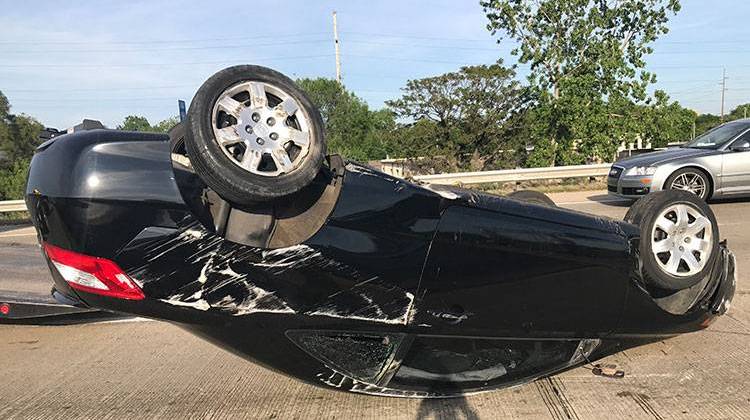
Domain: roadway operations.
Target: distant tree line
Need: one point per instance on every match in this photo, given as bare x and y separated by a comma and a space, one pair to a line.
138, 123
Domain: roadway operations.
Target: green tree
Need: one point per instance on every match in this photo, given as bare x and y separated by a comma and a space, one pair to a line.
19, 134
352, 129
469, 115
22, 138
705, 122
135, 123
667, 122
13, 180
164, 126
741, 111
139, 123
586, 60
4, 106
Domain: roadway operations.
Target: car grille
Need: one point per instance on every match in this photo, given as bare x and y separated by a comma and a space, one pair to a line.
615, 172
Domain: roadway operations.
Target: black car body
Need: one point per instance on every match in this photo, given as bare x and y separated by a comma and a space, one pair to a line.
362, 281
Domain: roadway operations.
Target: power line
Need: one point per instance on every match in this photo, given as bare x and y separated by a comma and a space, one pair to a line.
305, 34
432, 38
99, 89
415, 36
104, 99
190, 63
202, 47
158, 41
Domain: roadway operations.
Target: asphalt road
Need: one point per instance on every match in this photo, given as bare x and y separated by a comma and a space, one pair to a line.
150, 369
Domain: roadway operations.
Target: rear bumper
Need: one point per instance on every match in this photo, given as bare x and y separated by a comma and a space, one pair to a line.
25, 308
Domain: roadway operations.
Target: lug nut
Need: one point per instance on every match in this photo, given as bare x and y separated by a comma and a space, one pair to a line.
270, 121
260, 141
248, 129
256, 117
274, 136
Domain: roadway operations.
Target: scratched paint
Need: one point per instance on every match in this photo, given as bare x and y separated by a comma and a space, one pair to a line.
239, 280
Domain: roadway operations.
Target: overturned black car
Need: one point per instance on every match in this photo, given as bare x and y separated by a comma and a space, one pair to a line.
240, 229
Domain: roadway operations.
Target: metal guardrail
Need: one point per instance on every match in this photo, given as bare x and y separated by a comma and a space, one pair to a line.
517, 175
463, 178
12, 205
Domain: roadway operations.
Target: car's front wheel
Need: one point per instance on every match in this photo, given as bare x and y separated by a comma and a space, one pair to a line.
252, 135
679, 238
692, 180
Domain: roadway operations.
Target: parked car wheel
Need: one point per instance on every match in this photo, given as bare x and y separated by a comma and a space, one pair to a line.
533, 197
253, 135
679, 238
692, 180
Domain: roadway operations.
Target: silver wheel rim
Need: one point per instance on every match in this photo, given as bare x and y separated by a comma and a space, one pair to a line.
691, 182
261, 128
681, 240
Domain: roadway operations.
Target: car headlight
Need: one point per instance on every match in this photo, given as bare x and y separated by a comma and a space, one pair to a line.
641, 171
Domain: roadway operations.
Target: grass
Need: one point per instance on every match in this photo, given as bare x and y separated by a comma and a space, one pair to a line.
14, 218
545, 186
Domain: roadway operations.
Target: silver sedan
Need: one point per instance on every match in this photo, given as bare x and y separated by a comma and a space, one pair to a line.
715, 164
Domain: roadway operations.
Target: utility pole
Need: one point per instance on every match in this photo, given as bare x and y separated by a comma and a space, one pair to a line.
336, 43
723, 89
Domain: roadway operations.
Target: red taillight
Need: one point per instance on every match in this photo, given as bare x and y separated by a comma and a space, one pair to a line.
93, 274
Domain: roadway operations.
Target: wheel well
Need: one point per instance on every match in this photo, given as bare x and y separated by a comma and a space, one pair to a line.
697, 168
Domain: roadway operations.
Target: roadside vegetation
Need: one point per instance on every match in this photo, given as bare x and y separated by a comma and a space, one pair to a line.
587, 91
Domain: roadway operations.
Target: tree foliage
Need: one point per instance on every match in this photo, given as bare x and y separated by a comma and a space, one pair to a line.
19, 135
352, 129
667, 122
139, 123
470, 115
13, 180
586, 61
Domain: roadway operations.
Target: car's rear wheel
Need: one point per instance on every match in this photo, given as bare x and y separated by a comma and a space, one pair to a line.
253, 135
679, 238
692, 180
533, 197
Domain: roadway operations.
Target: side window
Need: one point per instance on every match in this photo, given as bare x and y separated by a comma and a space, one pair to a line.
742, 141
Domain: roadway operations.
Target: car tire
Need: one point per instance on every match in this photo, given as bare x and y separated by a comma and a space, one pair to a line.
679, 238
177, 139
533, 197
252, 135
682, 179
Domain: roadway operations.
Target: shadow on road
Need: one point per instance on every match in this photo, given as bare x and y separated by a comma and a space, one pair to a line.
446, 408
729, 200
608, 200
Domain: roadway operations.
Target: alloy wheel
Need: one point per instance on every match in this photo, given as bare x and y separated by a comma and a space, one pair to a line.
681, 240
261, 128
690, 182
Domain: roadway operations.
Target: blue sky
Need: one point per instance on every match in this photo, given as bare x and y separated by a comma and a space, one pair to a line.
61, 61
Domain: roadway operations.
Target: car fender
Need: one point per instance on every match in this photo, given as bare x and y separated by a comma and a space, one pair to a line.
664, 172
